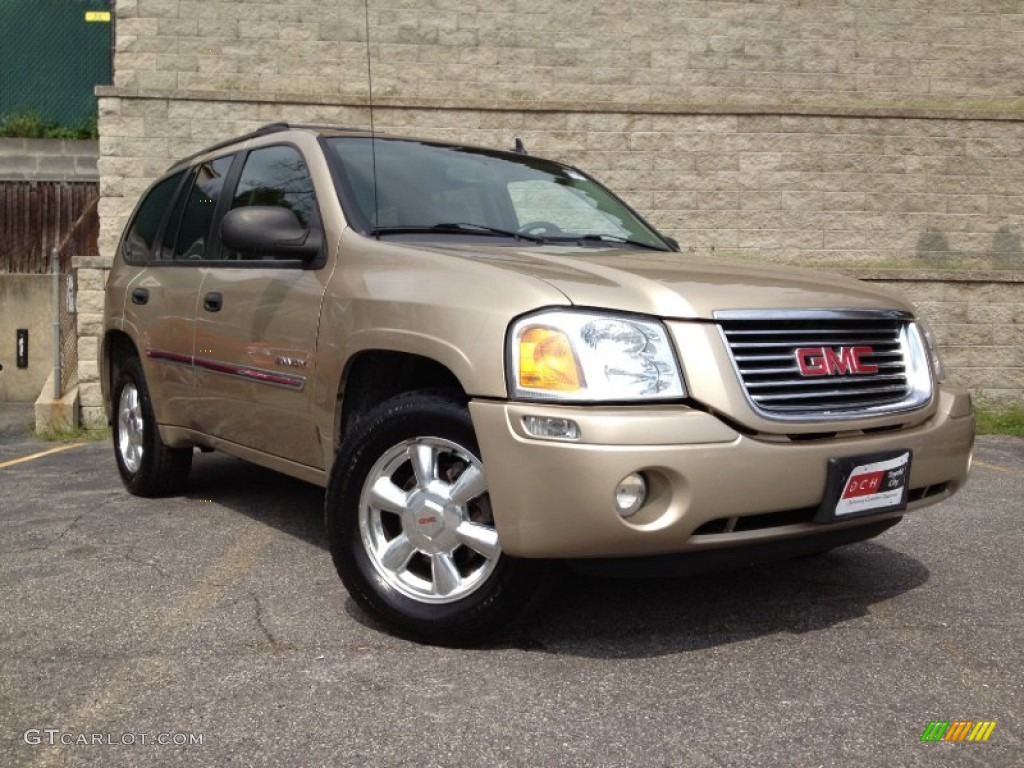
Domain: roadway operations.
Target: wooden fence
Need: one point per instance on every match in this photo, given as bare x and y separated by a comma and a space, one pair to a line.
36, 218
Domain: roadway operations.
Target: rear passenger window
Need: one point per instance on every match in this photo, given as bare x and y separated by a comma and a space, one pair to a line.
138, 240
191, 234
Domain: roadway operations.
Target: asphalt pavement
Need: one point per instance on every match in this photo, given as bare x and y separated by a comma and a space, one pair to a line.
209, 629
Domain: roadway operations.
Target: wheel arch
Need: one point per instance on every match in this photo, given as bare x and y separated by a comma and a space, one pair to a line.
374, 375
117, 347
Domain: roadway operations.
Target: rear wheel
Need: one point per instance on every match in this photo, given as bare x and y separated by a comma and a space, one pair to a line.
148, 467
411, 528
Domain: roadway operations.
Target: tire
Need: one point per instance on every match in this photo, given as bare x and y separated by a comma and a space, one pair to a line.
410, 526
147, 466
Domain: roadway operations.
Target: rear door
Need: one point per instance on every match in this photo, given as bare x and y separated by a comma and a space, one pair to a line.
257, 322
160, 302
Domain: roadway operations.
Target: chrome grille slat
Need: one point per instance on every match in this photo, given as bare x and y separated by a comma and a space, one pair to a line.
818, 333
853, 404
750, 374
821, 383
830, 394
764, 352
810, 342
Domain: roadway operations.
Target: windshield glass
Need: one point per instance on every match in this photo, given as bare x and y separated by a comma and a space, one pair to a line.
423, 187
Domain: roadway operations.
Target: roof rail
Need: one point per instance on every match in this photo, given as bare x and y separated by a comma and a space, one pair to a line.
263, 130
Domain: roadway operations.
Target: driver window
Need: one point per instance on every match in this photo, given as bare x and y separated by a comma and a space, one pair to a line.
275, 176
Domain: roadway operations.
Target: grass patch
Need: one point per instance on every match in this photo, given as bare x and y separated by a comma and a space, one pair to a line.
1000, 420
31, 125
57, 435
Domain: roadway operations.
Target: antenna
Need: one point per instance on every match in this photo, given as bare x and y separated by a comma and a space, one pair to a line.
373, 133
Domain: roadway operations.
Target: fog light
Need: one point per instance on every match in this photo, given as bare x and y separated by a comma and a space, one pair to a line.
545, 426
630, 494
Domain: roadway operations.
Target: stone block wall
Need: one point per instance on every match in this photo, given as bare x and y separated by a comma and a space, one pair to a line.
836, 192
861, 137
720, 53
979, 323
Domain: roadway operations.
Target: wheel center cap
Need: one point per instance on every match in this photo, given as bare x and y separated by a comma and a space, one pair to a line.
429, 518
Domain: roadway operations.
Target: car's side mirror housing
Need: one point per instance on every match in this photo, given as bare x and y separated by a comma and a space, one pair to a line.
270, 230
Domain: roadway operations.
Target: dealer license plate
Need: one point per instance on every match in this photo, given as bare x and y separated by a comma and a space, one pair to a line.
865, 485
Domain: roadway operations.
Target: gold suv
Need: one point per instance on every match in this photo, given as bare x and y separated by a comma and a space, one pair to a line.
490, 361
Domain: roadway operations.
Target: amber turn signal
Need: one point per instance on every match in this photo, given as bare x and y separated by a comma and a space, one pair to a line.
547, 360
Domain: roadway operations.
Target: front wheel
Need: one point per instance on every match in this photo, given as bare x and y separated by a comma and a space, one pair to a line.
411, 529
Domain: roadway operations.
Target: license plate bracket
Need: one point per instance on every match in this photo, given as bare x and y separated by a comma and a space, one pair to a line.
869, 484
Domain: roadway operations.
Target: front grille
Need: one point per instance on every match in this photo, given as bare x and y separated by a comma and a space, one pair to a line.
852, 362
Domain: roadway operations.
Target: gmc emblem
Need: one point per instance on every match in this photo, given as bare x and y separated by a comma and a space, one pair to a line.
838, 361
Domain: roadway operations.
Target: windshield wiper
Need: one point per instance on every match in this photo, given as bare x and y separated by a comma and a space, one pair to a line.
606, 238
455, 227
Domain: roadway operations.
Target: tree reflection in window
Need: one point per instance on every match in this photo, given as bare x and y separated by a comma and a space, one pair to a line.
191, 235
276, 176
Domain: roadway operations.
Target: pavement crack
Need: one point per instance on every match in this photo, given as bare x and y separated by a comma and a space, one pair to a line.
275, 644
71, 526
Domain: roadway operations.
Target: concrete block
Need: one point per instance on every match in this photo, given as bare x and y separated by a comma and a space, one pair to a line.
93, 417
57, 413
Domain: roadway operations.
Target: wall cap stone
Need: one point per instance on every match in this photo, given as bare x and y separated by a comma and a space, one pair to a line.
92, 262
994, 111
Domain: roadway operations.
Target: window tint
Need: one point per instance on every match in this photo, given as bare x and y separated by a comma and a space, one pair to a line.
276, 176
190, 237
138, 241
409, 185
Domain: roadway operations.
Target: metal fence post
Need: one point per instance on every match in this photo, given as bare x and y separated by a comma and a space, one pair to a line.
55, 272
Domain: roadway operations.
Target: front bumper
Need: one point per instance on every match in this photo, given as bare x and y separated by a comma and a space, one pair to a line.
554, 498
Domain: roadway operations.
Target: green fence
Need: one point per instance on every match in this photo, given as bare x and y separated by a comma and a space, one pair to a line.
52, 55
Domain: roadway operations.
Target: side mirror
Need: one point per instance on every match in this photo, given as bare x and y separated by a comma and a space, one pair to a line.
269, 229
672, 242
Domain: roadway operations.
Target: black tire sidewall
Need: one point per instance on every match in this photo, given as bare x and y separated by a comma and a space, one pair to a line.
162, 469
494, 603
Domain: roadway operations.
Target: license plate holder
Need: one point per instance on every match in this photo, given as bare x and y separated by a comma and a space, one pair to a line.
864, 485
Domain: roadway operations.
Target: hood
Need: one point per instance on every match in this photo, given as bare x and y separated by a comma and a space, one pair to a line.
677, 286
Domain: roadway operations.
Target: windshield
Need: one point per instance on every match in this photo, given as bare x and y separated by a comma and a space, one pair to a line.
448, 190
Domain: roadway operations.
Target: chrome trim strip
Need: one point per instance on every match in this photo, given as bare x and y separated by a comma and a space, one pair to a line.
169, 357
811, 314
247, 372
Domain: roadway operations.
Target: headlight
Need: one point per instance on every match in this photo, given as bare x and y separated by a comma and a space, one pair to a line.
585, 356
933, 349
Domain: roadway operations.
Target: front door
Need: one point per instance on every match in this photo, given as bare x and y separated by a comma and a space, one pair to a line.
257, 323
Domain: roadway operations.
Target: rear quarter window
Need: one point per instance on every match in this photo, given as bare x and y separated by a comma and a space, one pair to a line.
141, 233
187, 233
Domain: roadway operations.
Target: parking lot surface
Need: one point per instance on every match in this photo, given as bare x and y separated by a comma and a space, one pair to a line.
211, 629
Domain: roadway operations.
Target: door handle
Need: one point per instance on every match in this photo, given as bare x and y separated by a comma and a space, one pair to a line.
213, 301
140, 296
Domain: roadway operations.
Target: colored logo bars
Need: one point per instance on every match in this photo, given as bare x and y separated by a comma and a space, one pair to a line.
959, 730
